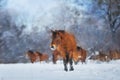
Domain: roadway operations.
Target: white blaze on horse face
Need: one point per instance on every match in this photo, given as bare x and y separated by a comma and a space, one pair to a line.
53, 47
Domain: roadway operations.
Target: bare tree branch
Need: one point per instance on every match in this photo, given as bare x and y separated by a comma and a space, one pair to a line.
114, 22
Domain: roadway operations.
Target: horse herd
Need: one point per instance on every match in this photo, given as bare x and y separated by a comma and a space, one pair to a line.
64, 47
34, 56
106, 56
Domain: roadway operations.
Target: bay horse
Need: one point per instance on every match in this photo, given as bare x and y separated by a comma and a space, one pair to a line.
114, 55
64, 43
30, 54
81, 54
42, 56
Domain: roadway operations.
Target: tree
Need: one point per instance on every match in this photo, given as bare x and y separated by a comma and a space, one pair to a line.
112, 13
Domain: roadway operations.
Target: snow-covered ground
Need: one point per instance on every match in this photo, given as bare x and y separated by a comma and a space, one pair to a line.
50, 71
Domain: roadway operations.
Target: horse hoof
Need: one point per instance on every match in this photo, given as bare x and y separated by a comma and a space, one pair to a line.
66, 70
72, 69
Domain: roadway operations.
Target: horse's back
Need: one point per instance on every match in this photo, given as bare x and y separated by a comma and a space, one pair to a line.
44, 57
31, 56
115, 54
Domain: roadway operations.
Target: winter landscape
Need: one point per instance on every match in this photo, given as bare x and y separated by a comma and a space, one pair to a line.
50, 71
27, 29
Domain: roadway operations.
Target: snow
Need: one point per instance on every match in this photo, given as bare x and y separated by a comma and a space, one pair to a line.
35, 15
50, 71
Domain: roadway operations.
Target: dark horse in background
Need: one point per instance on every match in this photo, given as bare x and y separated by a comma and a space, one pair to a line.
64, 43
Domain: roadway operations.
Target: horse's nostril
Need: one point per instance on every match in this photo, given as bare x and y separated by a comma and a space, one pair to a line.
52, 46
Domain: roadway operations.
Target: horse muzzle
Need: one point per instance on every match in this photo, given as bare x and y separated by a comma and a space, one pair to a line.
53, 47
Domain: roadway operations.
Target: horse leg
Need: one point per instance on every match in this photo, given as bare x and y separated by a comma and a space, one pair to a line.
76, 62
32, 61
71, 64
54, 60
70, 59
65, 64
66, 60
84, 61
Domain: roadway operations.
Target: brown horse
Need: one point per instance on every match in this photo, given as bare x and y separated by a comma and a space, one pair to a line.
65, 44
114, 55
82, 54
56, 56
100, 57
42, 57
30, 54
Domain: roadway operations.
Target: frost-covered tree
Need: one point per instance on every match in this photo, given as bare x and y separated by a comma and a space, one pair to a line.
23, 25
112, 13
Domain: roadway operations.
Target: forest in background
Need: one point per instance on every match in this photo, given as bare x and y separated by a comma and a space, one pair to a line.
25, 24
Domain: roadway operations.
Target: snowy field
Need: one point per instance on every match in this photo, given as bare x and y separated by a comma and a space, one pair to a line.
50, 71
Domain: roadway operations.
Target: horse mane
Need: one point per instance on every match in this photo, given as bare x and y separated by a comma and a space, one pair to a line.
79, 48
38, 53
62, 31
